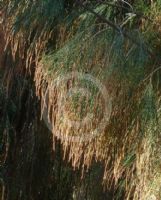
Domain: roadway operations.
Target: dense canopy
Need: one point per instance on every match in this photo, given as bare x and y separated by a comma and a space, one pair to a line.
65, 60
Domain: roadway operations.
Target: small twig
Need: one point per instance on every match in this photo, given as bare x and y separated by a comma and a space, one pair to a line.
138, 14
115, 5
151, 74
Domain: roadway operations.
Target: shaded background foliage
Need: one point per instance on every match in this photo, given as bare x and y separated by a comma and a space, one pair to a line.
30, 169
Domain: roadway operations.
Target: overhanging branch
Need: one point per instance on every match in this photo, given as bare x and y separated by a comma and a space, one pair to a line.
116, 27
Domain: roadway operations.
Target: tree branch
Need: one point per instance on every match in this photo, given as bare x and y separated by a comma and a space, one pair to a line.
116, 27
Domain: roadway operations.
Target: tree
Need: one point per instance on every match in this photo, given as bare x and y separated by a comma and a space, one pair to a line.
115, 42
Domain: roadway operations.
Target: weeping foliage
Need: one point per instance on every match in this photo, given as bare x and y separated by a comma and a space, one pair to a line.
58, 39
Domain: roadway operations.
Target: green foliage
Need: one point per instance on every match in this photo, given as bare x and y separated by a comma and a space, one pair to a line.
57, 39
